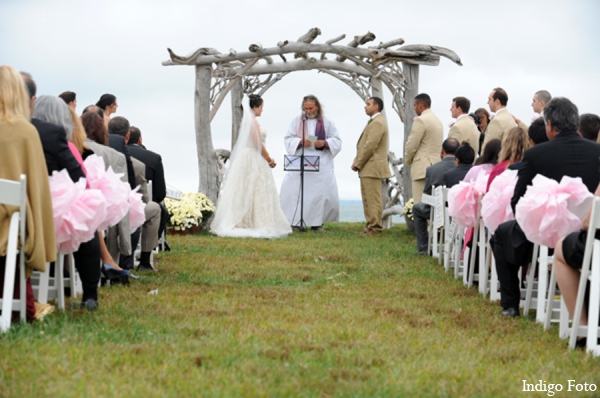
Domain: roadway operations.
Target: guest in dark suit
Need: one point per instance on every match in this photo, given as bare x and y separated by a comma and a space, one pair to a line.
154, 166
154, 173
465, 155
118, 134
57, 153
566, 154
434, 176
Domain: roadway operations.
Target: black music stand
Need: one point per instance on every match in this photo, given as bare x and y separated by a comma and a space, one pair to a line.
295, 163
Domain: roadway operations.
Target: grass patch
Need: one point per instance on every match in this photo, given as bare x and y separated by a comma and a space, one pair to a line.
315, 314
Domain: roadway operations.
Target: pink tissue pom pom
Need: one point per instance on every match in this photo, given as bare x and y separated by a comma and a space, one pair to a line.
137, 217
77, 211
463, 198
495, 206
114, 190
549, 211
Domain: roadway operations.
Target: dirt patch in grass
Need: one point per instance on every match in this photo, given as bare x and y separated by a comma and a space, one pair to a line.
349, 374
275, 354
463, 292
300, 277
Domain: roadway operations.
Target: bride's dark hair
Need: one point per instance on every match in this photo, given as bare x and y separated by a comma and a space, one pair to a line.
255, 101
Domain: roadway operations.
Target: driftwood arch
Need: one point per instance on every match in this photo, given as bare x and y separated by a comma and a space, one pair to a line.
365, 70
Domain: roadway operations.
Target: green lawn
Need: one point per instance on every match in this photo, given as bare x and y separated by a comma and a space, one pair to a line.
315, 314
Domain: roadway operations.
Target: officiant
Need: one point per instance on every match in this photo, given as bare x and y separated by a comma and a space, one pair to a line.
321, 200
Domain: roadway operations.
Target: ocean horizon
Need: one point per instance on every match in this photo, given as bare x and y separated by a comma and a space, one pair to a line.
352, 211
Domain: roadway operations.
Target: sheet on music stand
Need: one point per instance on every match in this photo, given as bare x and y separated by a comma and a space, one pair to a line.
292, 163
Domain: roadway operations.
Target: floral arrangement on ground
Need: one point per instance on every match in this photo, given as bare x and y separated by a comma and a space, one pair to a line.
408, 209
188, 212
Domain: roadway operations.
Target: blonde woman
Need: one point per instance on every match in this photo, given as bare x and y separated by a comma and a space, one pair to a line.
514, 145
22, 153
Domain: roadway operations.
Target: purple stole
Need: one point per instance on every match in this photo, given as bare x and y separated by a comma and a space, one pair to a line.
319, 132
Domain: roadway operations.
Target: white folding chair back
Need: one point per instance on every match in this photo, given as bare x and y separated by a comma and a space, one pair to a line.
14, 193
590, 271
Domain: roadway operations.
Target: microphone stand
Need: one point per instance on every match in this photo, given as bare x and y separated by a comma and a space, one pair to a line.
302, 226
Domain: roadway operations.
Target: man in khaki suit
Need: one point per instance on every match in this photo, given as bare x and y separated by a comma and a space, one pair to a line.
424, 142
503, 121
464, 129
371, 162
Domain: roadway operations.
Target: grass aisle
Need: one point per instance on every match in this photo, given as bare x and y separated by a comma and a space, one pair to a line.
315, 314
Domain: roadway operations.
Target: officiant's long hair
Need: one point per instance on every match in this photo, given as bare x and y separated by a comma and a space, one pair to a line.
317, 103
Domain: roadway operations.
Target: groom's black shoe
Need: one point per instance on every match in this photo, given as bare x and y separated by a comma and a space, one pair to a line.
510, 312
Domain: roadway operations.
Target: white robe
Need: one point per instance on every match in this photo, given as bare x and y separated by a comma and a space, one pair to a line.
321, 200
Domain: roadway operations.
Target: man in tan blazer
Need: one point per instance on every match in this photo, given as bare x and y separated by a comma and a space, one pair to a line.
464, 129
424, 142
503, 121
371, 162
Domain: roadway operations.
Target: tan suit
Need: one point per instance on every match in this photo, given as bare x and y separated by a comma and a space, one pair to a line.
423, 149
501, 124
464, 130
151, 211
372, 163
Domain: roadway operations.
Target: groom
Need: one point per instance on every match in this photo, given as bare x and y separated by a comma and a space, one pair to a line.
371, 163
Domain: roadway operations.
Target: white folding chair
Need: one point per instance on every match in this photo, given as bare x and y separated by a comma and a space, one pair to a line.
47, 288
590, 271
439, 221
13, 193
485, 251
470, 277
161, 239
432, 242
544, 303
459, 260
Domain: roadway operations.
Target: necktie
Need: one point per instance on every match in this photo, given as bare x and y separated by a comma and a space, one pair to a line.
370, 120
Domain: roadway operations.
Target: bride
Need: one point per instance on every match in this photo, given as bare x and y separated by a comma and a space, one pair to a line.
248, 205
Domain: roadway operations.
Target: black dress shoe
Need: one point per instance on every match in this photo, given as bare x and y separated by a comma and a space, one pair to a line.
141, 268
89, 304
510, 312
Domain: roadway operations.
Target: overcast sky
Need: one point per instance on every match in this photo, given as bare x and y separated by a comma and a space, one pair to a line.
117, 47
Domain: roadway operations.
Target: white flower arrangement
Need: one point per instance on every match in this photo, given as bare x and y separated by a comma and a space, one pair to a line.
408, 209
189, 211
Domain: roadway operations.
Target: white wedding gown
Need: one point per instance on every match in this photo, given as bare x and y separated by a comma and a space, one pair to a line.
248, 205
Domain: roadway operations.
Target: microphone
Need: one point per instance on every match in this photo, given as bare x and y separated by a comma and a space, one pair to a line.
303, 115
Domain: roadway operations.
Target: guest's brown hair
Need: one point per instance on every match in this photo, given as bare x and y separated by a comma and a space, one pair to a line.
95, 128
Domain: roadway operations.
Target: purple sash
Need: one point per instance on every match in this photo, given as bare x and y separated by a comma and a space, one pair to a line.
319, 132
